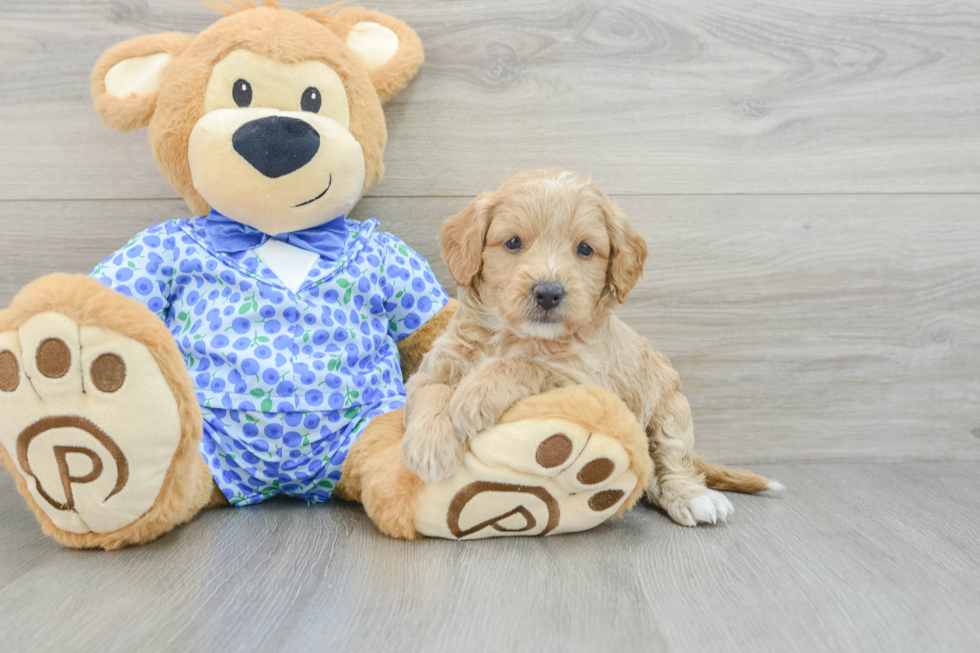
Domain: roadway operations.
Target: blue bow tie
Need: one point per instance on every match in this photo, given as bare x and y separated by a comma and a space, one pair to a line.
226, 235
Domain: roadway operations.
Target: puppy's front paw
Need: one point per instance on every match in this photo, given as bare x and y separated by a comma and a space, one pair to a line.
706, 506
473, 411
432, 454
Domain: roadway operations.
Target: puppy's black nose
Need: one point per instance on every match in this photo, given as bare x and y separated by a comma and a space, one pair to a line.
548, 294
276, 146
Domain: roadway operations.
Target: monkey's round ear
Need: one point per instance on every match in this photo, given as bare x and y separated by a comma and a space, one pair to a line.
390, 49
462, 239
126, 78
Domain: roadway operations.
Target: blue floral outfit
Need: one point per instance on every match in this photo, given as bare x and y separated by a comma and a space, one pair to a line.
286, 380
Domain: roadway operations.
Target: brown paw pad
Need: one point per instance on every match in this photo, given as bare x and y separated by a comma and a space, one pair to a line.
9, 371
606, 499
554, 451
108, 372
596, 471
503, 522
79, 424
53, 358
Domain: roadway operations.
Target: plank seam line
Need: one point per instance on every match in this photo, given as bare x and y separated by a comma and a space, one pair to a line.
613, 194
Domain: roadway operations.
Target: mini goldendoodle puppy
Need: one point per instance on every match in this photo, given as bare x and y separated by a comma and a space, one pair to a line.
540, 264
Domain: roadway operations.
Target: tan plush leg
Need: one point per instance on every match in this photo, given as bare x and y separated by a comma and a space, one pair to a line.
100, 424
375, 475
218, 499
559, 462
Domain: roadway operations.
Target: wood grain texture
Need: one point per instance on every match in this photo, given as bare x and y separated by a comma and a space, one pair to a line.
805, 328
853, 557
808, 178
667, 96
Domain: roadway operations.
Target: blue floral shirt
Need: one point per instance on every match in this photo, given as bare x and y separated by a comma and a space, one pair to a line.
262, 356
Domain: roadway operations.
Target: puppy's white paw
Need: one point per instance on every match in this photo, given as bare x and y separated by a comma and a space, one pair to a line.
704, 507
431, 454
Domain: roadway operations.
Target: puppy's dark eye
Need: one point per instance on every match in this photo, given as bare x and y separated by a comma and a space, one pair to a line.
311, 100
241, 92
514, 244
584, 250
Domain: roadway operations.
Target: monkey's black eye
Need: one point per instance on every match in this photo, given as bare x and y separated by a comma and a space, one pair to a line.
584, 250
241, 92
310, 100
514, 244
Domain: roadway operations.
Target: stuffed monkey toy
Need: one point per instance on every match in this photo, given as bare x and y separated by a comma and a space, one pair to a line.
259, 349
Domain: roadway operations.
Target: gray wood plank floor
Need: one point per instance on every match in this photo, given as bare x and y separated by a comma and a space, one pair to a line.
808, 178
860, 557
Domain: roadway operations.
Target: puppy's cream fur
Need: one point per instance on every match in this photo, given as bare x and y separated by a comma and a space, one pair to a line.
500, 347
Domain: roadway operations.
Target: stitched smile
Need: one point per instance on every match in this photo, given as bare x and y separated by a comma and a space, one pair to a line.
329, 182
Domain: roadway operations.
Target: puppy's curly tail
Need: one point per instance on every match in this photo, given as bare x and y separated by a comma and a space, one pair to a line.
733, 479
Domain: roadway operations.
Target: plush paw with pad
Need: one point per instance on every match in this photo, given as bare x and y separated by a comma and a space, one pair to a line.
540, 476
88, 421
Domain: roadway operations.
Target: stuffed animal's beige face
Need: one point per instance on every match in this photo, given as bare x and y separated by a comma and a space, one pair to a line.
269, 116
273, 148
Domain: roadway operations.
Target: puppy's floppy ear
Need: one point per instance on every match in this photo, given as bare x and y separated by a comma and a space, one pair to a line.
628, 250
462, 237
390, 49
126, 78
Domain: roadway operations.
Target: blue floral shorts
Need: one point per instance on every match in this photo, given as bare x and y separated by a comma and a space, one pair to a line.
254, 455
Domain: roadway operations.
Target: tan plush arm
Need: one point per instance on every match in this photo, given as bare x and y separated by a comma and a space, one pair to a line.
413, 347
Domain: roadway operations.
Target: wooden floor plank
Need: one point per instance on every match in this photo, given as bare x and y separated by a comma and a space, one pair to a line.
669, 96
869, 557
804, 328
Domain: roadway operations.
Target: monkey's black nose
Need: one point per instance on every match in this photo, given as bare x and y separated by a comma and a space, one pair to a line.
276, 146
548, 294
